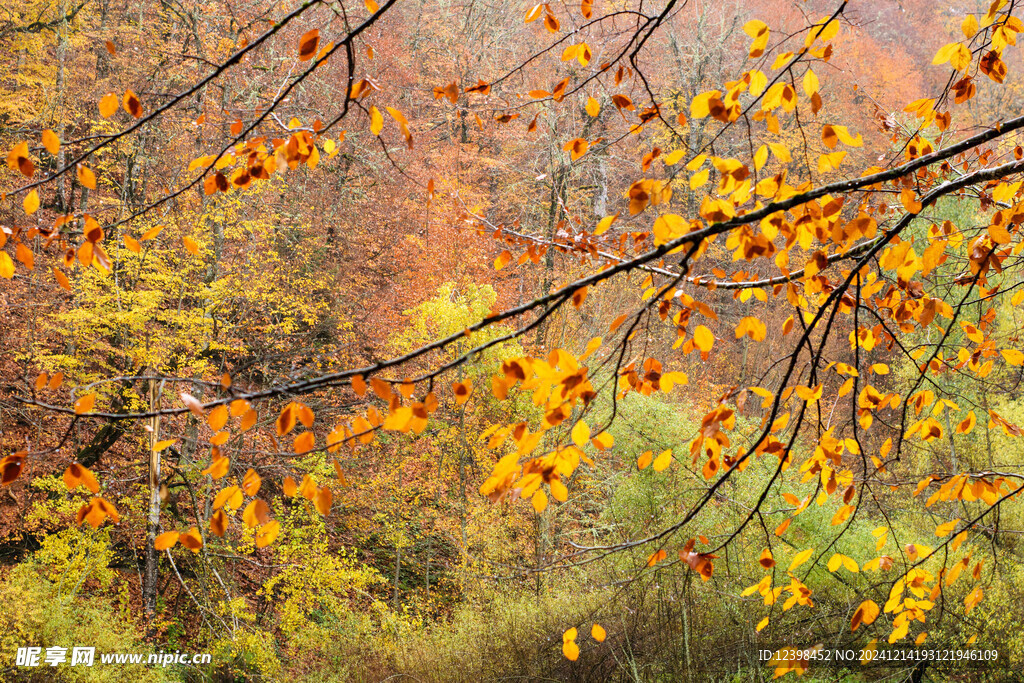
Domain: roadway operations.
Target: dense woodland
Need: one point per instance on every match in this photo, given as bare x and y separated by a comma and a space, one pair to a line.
416, 340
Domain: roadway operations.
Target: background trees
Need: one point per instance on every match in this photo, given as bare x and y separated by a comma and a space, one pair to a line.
373, 339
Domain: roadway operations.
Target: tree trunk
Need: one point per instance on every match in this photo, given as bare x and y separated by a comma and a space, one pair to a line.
152, 556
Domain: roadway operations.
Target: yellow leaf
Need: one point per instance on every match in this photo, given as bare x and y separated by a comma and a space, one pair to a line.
700, 107
675, 157
191, 245
31, 202
943, 530
571, 650
580, 434
663, 460
1013, 356
163, 445
760, 157
593, 107
267, 533
945, 53
603, 441
699, 179
810, 83
598, 633
800, 558
754, 28
6, 266
703, 338
604, 224
539, 501
376, 121
969, 26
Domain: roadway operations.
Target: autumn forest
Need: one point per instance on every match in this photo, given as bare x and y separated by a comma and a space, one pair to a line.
600, 340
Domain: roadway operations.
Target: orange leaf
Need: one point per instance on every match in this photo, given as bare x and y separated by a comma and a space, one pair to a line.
192, 540
217, 418
166, 540
308, 44
323, 500
218, 523
225, 496
86, 176
84, 404
290, 489
251, 482
132, 104
304, 443
62, 279
108, 105
257, 512
51, 142
218, 468
77, 474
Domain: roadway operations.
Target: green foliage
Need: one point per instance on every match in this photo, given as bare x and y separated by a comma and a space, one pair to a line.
43, 613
